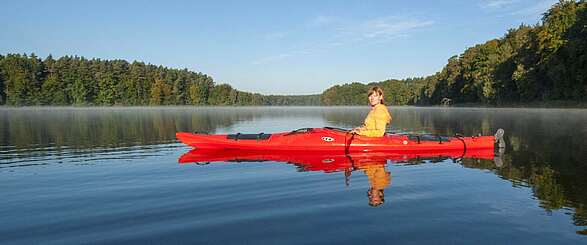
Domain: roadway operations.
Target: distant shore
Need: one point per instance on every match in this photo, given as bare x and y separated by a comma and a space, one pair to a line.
544, 104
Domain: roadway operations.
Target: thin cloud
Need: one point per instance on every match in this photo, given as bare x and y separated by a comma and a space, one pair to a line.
383, 27
535, 9
346, 32
275, 35
390, 27
323, 20
497, 4
281, 56
271, 58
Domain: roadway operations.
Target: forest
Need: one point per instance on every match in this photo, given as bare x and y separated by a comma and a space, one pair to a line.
71, 80
544, 62
539, 63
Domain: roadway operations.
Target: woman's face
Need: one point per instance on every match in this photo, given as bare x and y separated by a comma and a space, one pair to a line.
375, 197
375, 99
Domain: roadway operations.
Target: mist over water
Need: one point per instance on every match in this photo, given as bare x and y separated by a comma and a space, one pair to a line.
102, 175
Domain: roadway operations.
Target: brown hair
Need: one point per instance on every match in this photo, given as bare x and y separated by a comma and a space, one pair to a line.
377, 90
379, 193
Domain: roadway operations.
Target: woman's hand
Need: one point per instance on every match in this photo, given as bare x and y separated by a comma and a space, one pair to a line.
355, 130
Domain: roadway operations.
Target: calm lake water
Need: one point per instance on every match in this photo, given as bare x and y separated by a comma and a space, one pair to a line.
111, 175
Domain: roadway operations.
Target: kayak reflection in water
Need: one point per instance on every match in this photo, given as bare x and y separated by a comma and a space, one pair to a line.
378, 118
379, 179
373, 165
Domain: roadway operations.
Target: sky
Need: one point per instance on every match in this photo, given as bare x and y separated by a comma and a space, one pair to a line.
270, 47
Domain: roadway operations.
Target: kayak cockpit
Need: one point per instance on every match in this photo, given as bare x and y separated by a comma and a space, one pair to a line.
239, 136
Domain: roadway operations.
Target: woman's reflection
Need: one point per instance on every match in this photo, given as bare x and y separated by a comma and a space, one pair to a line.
379, 179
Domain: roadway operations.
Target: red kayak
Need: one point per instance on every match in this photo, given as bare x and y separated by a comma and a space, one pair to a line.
337, 140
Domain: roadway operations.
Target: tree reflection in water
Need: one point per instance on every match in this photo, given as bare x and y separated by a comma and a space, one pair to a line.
546, 148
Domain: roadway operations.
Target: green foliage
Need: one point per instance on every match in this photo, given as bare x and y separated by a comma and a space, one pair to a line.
222, 95
347, 94
565, 64
107, 88
540, 63
160, 93
398, 92
72, 80
196, 95
282, 100
53, 91
21, 74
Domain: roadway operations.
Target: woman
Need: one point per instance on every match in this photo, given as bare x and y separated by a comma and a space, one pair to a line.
378, 117
379, 179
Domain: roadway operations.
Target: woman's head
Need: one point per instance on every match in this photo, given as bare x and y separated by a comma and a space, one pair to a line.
375, 96
376, 197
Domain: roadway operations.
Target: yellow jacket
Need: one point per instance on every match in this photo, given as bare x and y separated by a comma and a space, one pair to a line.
375, 122
378, 176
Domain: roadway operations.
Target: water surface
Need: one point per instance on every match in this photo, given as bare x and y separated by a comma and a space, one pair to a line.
111, 175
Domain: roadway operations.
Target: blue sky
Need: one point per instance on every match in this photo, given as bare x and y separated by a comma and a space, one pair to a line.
271, 47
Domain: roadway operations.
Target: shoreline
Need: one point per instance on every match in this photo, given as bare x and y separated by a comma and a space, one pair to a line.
553, 104
533, 105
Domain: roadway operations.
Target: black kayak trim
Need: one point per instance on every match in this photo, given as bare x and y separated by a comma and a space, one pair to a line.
239, 136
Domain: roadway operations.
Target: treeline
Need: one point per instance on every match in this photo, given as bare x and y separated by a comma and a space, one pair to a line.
396, 92
72, 80
544, 62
